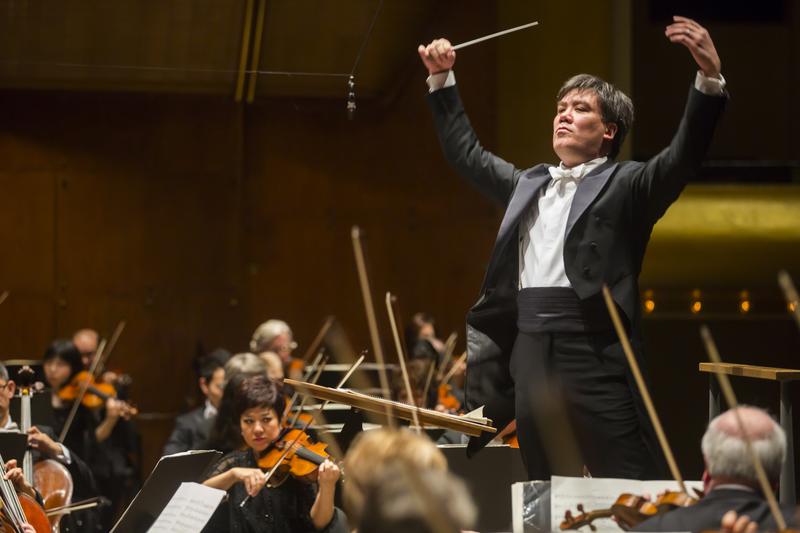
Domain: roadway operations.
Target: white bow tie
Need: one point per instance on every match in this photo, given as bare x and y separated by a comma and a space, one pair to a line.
574, 173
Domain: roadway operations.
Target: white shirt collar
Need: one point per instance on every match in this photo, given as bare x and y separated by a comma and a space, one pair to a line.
579, 171
210, 411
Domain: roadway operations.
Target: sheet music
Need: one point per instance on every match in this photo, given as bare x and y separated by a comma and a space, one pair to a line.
601, 493
189, 509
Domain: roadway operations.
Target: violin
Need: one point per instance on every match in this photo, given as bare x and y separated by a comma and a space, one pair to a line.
293, 454
96, 393
447, 399
630, 510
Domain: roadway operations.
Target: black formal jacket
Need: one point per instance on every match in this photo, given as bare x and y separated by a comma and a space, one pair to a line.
190, 433
608, 227
707, 513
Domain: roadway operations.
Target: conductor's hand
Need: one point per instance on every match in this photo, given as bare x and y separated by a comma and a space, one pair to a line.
696, 38
438, 56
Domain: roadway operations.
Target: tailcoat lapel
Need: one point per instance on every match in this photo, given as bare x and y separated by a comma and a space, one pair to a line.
528, 185
588, 189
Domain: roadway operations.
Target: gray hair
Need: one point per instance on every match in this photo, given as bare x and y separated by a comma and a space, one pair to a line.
266, 333
725, 449
615, 105
246, 364
3, 372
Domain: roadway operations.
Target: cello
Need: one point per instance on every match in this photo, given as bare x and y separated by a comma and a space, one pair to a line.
49, 477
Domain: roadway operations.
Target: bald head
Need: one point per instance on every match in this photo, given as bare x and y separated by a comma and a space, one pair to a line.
86, 340
725, 449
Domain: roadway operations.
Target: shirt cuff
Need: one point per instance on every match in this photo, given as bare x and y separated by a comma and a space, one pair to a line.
441, 80
709, 86
64, 456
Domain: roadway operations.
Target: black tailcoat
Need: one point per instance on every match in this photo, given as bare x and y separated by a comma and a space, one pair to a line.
609, 224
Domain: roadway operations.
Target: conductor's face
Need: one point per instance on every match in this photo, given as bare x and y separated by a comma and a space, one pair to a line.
579, 133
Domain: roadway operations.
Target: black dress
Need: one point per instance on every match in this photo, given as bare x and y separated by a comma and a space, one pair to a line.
284, 509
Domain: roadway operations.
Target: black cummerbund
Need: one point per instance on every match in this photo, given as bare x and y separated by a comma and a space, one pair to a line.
558, 309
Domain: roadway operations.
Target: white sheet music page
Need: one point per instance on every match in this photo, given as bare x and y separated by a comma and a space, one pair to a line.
189, 509
600, 493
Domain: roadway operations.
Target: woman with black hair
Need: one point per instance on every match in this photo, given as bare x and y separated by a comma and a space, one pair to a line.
293, 506
90, 432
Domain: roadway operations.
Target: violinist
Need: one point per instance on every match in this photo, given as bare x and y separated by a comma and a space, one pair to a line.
225, 434
292, 506
276, 336
729, 481
86, 340
108, 442
192, 429
42, 441
421, 339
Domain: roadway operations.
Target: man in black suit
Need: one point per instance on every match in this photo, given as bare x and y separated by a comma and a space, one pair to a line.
567, 230
729, 481
192, 429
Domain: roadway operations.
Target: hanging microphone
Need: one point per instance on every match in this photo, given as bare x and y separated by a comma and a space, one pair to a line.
351, 98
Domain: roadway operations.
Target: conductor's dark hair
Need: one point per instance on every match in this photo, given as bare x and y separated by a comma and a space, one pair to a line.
615, 105
65, 350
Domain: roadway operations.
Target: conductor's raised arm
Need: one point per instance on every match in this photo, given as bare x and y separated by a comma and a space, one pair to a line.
493, 176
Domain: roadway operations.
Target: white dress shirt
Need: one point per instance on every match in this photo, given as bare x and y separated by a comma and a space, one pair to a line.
542, 230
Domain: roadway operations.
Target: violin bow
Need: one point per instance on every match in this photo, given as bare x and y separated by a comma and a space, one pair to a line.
452, 372
790, 292
81, 393
88, 503
3, 296
730, 398
308, 423
372, 322
316, 363
391, 301
103, 358
449, 348
317, 342
648, 402
317, 373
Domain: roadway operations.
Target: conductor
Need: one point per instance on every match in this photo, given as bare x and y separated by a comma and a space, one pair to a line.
567, 230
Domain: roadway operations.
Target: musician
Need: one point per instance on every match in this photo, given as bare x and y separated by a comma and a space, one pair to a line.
102, 436
192, 429
423, 501
421, 339
372, 452
44, 445
276, 336
291, 507
16, 476
87, 340
226, 435
274, 365
730, 481
568, 229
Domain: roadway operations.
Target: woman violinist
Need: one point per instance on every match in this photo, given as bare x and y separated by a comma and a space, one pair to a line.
91, 430
293, 506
